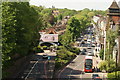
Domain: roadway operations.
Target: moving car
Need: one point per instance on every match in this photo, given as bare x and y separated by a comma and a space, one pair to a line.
82, 42
45, 56
93, 45
84, 50
90, 54
96, 77
82, 53
85, 39
89, 41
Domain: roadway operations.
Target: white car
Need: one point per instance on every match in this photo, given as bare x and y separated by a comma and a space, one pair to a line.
90, 54
89, 40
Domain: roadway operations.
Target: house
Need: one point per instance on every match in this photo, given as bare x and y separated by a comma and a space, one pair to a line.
113, 23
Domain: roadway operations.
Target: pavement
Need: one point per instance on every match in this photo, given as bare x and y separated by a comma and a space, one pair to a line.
96, 61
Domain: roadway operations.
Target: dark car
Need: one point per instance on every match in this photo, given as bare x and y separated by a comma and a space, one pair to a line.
82, 53
96, 77
82, 42
45, 56
84, 50
89, 48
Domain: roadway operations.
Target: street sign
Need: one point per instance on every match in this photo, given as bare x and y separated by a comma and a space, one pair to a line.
48, 57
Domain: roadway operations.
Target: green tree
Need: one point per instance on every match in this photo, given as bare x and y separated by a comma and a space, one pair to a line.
72, 31
8, 32
20, 26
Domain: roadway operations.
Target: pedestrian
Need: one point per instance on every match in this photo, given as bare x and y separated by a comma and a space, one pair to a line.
96, 62
94, 68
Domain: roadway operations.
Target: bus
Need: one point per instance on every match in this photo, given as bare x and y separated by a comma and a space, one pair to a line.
88, 64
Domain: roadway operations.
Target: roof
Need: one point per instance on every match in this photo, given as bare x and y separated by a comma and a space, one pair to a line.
51, 31
114, 5
88, 57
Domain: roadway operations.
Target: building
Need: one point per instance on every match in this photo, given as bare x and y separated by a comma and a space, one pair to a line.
113, 23
99, 28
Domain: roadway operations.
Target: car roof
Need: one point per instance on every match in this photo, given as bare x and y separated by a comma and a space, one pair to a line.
88, 57
95, 75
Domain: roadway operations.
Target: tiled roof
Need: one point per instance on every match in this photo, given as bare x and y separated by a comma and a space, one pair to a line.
114, 5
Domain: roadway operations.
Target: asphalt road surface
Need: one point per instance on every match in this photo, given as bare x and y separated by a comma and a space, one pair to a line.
39, 68
75, 70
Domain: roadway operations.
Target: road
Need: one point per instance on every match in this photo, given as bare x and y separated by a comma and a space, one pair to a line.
75, 70
39, 68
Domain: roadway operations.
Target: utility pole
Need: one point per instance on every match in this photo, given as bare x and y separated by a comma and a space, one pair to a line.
104, 43
116, 64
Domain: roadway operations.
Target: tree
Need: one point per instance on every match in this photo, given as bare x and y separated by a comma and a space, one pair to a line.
8, 32
72, 31
91, 14
20, 26
51, 19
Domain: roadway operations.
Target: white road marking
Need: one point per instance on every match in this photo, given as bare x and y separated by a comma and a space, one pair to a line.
31, 70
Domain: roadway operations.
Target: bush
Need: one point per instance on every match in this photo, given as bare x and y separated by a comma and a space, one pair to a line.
102, 54
109, 66
60, 47
38, 49
44, 47
73, 49
114, 75
63, 57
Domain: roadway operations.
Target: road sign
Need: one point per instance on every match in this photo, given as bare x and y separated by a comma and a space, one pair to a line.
48, 57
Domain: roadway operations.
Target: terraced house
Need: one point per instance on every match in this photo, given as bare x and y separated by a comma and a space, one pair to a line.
113, 31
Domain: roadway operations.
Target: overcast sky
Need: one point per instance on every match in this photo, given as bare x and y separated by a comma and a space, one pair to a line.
74, 4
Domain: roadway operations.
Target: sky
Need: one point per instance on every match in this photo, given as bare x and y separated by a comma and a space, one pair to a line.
74, 4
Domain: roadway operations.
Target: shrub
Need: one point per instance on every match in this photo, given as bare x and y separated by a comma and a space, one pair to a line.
102, 54
103, 65
114, 75
38, 49
63, 57
44, 47
109, 66
60, 47
73, 49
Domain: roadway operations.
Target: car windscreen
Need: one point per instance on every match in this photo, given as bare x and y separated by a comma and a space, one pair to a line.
88, 61
88, 66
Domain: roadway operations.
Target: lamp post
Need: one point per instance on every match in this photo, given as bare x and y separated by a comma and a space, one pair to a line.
116, 63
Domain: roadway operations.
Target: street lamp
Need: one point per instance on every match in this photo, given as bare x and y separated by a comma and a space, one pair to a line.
116, 63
